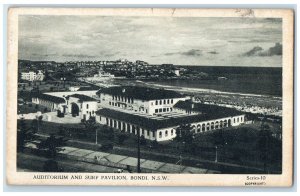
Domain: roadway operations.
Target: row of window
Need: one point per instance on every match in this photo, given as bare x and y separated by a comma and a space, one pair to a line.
163, 110
166, 133
238, 119
161, 102
125, 126
123, 99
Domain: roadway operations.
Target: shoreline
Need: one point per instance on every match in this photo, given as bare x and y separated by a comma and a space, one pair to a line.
200, 90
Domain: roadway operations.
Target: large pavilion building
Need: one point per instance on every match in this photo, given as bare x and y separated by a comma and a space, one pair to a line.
156, 113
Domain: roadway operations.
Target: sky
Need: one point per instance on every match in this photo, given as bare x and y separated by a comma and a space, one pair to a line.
156, 40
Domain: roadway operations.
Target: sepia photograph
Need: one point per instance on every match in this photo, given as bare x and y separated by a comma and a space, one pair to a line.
135, 96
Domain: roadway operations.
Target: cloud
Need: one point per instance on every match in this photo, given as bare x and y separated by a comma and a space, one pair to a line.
213, 52
254, 51
276, 50
259, 51
192, 52
78, 55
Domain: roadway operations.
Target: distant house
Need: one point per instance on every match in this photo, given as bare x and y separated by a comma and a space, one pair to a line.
33, 76
222, 78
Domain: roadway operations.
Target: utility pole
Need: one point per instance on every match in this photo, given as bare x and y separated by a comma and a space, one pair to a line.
139, 152
96, 136
216, 159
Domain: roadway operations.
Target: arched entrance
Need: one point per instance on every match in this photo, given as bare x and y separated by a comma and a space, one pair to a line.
74, 110
229, 122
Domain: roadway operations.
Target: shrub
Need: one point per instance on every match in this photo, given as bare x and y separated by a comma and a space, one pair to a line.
107, 146
121, 138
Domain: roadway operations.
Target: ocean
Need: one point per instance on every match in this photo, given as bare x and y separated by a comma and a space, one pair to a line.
250, 80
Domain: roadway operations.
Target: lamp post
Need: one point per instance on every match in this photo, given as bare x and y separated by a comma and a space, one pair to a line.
139, 152
96, 136
216, 158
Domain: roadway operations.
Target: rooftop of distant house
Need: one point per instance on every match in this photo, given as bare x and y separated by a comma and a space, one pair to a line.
141, 93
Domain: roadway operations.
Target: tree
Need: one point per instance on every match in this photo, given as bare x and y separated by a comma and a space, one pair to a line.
24, 135
184, 133
121, 138
143, 141
61, 130
154, 144
52, 145
35, 126
185, 136
263, 144
90, 124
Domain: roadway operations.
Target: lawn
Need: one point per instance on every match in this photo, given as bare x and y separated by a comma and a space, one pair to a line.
236, 145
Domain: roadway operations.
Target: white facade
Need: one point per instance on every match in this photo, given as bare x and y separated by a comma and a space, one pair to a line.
168, 133
150, 107
86, 109
52, 106
33, 76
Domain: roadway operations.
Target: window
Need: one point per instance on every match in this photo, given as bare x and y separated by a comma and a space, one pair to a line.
164, 101
168, 101
160, 110
164, 110
156, 102
234, 120
238, 119
172, 132
171, 100
166, 133
153, 133
167, 109
160, 102
160, 134
87, 106
156, 110
148, 132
